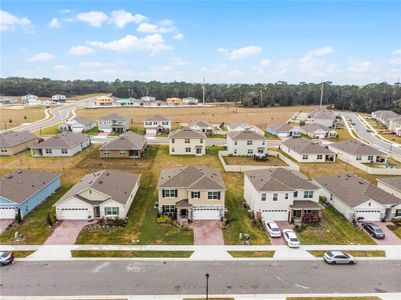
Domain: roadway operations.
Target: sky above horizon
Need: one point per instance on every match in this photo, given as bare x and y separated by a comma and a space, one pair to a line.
223, 41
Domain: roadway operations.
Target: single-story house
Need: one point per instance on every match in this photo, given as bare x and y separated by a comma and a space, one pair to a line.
280, 195
23, 190
246, 143
13, 142
148, 98
174, 101
127, 145
62, 144
187, 142
113, 123
59, 98
391, 185
356, 151
241, 126
78, 124
156, 124
384, 116
322, 116
395, 125
190, 101
191, 193
202, 126
7, 100
356, 198
317, 131
107, 193
304, 150
283, 130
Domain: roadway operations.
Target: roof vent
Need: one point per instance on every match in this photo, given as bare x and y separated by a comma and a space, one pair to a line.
19, 171
9, 177
101, 181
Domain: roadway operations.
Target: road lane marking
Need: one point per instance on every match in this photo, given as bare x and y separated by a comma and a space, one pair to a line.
302, 286
100, 267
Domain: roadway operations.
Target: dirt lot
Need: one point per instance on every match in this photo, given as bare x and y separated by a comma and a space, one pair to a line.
216, 115
17, 116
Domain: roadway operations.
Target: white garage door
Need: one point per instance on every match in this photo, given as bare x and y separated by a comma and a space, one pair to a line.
206, 214
368, 215
275, 215
7, 212
74, 213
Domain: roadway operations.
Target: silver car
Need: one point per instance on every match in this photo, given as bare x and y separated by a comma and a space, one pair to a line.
6, 258
338, 257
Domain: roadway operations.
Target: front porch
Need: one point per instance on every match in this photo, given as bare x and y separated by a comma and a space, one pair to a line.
184, 211
305, 211
330, 158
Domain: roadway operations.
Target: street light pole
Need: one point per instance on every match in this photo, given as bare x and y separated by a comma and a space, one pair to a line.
207, 286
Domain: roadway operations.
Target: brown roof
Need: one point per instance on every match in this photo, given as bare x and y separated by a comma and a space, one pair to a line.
245, 135
305, 204
20, 185
191, 177
186, 133
279, 179
62, 140
127, 141
394, 182
117, 185
304, 146
157, 118
356, 148
14, 138
354, 190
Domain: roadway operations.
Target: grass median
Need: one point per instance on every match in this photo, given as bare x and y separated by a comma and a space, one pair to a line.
142, 254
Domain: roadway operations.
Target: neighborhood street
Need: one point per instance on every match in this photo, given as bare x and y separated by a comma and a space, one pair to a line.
129, 277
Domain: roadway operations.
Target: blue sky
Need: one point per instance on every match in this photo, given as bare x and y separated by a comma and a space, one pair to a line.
224, 41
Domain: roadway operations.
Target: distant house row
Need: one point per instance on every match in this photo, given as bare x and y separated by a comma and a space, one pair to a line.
390, 119
144, 101
33, 100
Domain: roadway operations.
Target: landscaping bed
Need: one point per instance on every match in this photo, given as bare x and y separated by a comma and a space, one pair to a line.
244, 254
356, 253
150, 254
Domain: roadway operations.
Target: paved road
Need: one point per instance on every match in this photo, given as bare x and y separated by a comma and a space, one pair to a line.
369, 137
242, 277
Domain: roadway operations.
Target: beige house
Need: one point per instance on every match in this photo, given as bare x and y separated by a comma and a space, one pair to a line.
318, 131
356, 151
304, 150
127, 145
13, 142
191, 193
187, 142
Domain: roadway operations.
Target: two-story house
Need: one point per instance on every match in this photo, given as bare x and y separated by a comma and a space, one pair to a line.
246, 143
191, 193
187, 142
114, 123
31, 100
156, 124
78, 124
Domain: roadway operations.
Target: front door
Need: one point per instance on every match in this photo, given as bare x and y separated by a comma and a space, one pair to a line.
97, 211
198, 151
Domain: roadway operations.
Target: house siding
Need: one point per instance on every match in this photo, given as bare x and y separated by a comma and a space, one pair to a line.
179, 146
241, 149
58, 151
19, 148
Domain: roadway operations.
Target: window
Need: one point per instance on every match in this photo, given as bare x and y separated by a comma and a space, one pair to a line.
48, 151
213, 195
201, 141
305, 156
172, 141
295, 194
286, 195
319, 156
275, 196
188, 150
263, 197
64, 151
308, 211
235, 142
3, 150
168, 209
263, 142
308, 194
148, 123
111, 211
250, 151
172, 149
195, 195
187, 141
398, 212
165, 123
122, 152
106, 152
169, 193
249, 143
235, 151
358, 157
370, 157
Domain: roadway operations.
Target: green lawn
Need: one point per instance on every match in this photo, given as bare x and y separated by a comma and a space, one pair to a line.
22, 254
166, 254
93, 131
334, 229
34, 226
137, 130
396, 228
270, 136
244, 254
356, 253
49, 130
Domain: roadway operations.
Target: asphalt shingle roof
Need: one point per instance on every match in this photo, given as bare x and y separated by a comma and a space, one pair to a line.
201, 123
157, 118
304, 146
245, 135
127, 141
13, 138
356, 148
281, 127
186, 133
394, 182
83, 121
313, 127
62, 140
114, 117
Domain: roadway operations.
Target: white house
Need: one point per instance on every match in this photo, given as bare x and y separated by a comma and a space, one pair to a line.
148, 98
190, 101
78, 124
59, 98
280, 194
384, 116
317, 131
156, 124
395, 125
107, 193
283, 130
321, 116
356, 198
30, 99
202, 126
187, 142
241, 126
303, 150
391, 185
244, 143
355, 151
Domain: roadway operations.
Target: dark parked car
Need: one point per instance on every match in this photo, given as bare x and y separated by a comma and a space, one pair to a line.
374, 230
6, 258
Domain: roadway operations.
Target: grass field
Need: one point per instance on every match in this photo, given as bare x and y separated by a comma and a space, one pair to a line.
245, 254
243, 160
19, 116
356, 253
166, 254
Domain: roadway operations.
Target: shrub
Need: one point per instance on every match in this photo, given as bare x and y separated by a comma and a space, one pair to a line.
49, 220
118, 222
18, 217
309, 218
164, 219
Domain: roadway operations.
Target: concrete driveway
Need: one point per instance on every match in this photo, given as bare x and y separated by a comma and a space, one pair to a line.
280, 240
207, 232
66, 233
4, 224
391, 238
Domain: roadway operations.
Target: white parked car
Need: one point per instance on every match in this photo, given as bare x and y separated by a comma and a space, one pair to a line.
291, 238
338, 257
272, 229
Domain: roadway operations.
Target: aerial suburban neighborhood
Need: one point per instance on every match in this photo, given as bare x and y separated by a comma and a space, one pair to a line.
200, 150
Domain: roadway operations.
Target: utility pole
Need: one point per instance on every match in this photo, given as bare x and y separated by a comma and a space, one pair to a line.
261, 96
321, 95
204, 91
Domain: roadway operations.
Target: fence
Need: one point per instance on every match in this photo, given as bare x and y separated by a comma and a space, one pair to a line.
371, 170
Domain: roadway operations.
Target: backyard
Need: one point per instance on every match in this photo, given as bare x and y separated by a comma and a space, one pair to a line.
245, 160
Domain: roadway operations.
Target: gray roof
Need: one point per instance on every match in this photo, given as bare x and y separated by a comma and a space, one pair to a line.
322, 113
114, 117
305, 146
201, 123
192, 178
279, 180
356, 148
238, 124
386, 114
20, 185
306, 204
396, 120
62, 140
245, 135
186, 133
127, 141
354, 190
314, 127
393, 182
157, 118
282, 127
13, 138
117, 185
84, 121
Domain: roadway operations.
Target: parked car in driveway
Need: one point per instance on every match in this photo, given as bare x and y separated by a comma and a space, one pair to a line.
6, 258
338, 257
272, 229
291, 238
374, 230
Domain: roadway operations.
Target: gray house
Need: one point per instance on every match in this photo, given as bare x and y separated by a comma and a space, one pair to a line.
114, 123
356, 151
303, 150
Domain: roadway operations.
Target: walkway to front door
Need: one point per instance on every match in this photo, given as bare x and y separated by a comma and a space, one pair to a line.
207, 232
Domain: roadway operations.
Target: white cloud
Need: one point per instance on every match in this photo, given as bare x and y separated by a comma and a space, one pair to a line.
320, 51
315, 64
11, 22
178, 36
62, 68
397, 52
80, 50
234, 73
395, 61
358, 69
42, 56
165, 26
93, 64
265, 62
93, 18
54, 23
122, 17
152, 43
241, 52
65, 11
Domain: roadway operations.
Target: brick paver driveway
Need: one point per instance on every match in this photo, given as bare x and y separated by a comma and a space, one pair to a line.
4, 224
66, 233
280, 240
207, 232
391, 238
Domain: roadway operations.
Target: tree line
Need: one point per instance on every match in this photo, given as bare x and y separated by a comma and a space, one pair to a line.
365, 98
